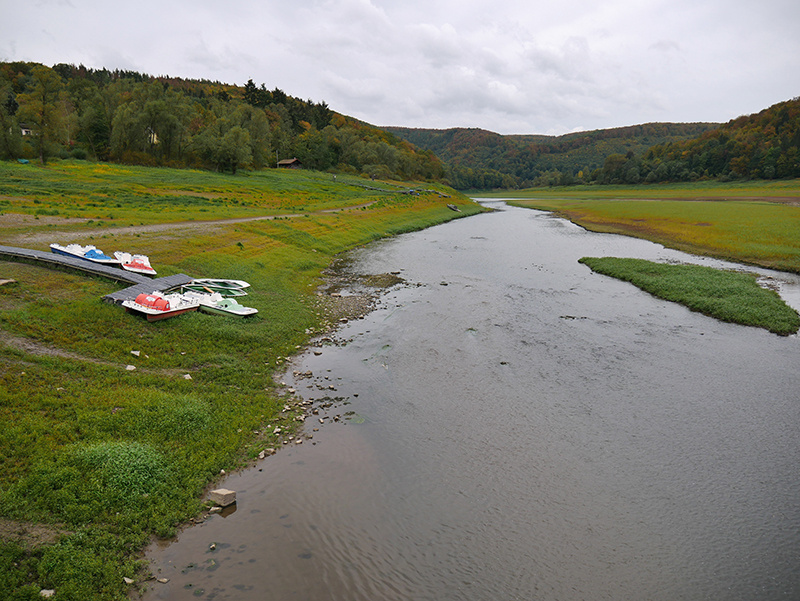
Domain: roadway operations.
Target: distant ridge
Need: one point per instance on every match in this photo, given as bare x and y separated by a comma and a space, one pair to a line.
765, 145
481, 159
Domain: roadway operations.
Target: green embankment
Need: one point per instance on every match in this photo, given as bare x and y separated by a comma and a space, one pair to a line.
100, 457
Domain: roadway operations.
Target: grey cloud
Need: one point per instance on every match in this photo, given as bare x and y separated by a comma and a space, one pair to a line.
665, 46
518, 67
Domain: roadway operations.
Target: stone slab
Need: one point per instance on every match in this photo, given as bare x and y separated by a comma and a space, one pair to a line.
223, 497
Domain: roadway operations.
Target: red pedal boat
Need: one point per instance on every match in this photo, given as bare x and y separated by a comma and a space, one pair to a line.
135, 263
155, 306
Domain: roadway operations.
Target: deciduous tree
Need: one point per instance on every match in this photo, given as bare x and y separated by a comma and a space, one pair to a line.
39, 108
10, 133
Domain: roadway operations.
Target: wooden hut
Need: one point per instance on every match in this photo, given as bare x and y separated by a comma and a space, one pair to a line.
290, 164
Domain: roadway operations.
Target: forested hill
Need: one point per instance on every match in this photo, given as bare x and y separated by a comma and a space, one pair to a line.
129, 117
765, 145
480, 159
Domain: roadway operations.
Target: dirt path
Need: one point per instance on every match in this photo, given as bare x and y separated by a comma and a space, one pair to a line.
38, 238
35, 348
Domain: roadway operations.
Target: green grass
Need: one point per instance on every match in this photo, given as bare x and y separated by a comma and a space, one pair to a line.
730, 296
120, 195
749, 189
111, 457
74, 417
757, 223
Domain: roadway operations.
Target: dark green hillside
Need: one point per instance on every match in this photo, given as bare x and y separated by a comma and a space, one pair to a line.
477, 158
765, 145
134, 118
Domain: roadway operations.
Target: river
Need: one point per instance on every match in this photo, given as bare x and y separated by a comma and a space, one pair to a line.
513, 426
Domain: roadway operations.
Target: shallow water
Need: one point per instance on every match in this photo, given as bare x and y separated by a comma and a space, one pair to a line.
522, 429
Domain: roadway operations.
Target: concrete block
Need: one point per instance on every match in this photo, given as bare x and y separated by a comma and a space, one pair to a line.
223, 497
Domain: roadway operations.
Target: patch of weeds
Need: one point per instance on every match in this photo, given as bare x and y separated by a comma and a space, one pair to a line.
127, 468
167, 418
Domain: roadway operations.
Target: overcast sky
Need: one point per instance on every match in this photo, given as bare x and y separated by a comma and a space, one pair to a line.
509, 66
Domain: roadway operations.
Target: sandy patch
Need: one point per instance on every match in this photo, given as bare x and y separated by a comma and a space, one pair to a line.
29, 535
18, 219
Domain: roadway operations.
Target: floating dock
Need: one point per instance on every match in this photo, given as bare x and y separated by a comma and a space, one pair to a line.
140, 283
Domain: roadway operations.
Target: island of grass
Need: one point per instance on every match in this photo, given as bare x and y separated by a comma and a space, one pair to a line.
731, 296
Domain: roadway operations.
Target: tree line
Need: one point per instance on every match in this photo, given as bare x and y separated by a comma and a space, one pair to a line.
480, 159
130, 117
134, 118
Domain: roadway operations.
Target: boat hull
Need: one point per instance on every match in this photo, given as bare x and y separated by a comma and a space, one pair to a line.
97, 256
243, 312
216, 303
158, 315
135, 263
156, 307
85, 253
201, 288
220, 284
66, 252
141, 270
167, 314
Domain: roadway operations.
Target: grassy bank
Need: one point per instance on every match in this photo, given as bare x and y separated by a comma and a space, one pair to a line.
99, 457
117, 195
751, 222
729, 296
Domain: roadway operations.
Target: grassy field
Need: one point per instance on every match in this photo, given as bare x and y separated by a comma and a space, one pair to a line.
705, 190
115, 195
752, 222
98, 458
